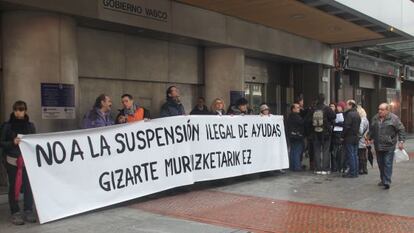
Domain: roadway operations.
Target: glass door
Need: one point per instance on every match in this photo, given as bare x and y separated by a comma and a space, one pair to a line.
254, 93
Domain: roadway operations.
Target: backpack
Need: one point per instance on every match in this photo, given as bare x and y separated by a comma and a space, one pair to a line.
317, 120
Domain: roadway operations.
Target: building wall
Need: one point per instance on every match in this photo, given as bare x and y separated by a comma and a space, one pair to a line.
37, 47
197, 23
116, 63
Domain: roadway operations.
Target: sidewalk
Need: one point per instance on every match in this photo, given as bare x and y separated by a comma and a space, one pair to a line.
293, 202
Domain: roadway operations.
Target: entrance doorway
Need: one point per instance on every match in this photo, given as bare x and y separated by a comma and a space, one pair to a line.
407, 111
3, 174
369, 102
254, 93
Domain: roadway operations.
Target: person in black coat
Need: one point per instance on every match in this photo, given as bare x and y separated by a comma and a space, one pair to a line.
241, 108
295, 130
173, 106
351, 137
17, 124
200, 108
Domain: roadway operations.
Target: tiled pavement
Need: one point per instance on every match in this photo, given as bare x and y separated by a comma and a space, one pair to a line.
259, 214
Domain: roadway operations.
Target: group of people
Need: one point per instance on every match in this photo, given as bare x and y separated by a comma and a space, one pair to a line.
338, 138
100, 114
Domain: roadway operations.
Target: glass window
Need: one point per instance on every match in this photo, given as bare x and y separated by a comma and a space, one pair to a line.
254, 93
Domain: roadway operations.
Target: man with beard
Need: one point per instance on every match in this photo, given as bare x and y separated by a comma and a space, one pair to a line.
173, 106
100, 114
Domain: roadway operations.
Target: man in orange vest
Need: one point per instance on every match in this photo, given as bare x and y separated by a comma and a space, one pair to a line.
132, 111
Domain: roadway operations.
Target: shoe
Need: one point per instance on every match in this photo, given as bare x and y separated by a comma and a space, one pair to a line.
380, 183
29, 216
386, 186
349, 176
318, 172
365, 172
17, 219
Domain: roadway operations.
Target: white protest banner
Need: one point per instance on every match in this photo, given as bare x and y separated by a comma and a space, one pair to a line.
76, 171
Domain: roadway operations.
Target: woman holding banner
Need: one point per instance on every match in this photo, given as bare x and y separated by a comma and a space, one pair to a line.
18, 181
217, 107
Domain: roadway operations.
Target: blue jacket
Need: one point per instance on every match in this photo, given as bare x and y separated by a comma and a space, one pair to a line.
95, 118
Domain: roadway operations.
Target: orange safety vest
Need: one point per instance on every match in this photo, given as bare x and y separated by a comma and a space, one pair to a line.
138, 115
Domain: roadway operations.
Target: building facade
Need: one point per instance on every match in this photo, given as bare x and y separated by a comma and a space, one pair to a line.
58, 56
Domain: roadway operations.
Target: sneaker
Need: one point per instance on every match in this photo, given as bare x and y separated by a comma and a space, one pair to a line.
17, 219
386, 186
324, 173
380, 183
29, 216
319, 172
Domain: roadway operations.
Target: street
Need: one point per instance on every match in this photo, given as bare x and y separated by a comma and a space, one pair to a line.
291, 202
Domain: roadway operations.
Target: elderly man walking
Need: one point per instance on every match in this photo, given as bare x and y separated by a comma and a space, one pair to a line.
386, 130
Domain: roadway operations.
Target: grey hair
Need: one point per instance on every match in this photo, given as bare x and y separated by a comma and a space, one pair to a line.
387, 106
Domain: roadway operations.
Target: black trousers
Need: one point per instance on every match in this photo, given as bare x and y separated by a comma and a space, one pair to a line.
27, 191
362, 156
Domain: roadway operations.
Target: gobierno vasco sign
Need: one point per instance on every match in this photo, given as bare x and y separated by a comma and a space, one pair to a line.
136, 9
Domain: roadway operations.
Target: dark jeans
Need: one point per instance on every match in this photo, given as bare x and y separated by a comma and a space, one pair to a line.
337, 158
296, 150
362, 157
311, 153
352, 155
27, 192
385, 161
322, 157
